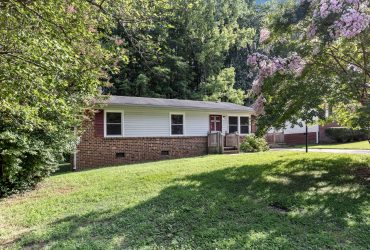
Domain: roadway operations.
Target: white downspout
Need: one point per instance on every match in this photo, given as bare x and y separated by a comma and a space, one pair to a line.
317, 134
250, 124
75, 152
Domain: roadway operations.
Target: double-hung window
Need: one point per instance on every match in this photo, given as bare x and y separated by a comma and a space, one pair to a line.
244, 125
233, 124
113, 123
239, 124
177, 124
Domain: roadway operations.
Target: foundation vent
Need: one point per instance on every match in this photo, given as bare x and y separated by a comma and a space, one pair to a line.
165, 152
120, 155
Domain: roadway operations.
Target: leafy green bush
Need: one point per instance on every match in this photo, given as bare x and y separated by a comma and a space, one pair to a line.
47, 84
26, 158
252, 143
342, 134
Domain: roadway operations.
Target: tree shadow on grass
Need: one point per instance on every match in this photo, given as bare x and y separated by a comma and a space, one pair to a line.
308, 203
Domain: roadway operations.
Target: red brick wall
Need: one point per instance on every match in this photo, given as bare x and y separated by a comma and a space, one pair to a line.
299, 138
99, 123
253, 124
94, 150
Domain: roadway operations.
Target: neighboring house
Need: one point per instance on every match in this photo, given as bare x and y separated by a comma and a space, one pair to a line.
296, 134
135, 129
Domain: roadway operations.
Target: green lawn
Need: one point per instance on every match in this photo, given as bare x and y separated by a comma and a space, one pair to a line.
350, 145
271, 200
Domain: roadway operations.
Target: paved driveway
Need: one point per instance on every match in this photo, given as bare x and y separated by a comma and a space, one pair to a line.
337, 151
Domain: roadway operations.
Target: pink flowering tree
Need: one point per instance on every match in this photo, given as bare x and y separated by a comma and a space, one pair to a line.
315, 56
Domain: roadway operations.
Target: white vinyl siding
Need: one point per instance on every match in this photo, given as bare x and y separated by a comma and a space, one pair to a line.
196, 123
141, 122
155, 122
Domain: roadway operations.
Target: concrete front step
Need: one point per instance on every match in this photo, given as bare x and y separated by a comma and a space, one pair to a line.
234, 151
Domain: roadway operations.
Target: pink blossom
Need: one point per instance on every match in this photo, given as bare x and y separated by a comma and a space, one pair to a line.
256, 58
329, 6
71, 9
252, 60
335, 5
257, 85
264, 35
311, 31
351, 24
296, 64
338, 18
353, 1
259, 105
279, 64
268, 67
351, 17
118, 41
92, 29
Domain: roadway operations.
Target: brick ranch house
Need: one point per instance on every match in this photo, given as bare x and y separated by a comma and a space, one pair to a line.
137, 129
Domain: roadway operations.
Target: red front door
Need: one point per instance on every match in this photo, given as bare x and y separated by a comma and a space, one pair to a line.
215, 123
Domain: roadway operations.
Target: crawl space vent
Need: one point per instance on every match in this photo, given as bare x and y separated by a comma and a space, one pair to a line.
120, 155
165, 152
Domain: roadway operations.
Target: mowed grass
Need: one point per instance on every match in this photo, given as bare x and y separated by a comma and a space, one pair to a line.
364, 145
271, 200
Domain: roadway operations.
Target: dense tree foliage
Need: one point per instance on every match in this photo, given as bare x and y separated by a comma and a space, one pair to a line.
316, 55
51, 65
187, 49
221, 88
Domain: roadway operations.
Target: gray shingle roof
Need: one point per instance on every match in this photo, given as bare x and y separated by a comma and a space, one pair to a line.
173, 103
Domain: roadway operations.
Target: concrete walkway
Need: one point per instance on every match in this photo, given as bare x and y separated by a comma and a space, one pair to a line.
327, 150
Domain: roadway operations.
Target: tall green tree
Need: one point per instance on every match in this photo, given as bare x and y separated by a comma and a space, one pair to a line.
316, 55
253, 16
51, 65
221, 88
184, 45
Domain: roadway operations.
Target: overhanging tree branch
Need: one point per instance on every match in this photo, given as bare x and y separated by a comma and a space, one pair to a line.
121, 22
45, 19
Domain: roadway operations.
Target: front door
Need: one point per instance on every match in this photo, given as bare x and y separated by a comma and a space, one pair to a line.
215, 123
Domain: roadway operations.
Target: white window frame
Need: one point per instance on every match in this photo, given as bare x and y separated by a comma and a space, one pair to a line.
183, 123
239, 124
105, 123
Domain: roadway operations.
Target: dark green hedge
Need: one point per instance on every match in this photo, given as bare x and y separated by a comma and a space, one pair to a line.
342, 134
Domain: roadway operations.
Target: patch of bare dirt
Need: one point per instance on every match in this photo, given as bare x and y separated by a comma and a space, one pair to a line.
12, 238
